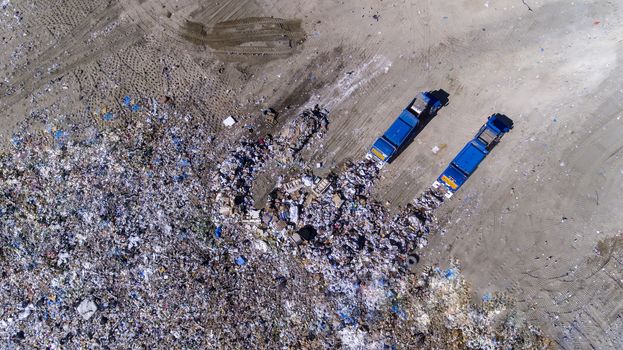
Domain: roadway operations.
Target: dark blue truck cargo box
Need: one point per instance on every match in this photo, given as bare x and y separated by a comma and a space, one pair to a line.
401, 128
470, 156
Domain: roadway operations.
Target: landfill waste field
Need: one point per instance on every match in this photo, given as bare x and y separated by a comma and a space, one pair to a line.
110, 238
311, 174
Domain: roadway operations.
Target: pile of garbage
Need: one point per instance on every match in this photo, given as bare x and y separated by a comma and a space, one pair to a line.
234, 176
302, 129
126, 232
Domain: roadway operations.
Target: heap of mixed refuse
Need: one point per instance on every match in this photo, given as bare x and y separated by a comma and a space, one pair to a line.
135, 231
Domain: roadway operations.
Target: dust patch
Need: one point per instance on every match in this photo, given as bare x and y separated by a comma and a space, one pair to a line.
353, 80
587, 67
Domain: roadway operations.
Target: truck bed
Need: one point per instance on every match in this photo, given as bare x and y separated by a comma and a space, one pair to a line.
470, 157
401, 128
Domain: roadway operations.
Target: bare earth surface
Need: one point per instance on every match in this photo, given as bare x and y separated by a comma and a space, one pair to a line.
540, 219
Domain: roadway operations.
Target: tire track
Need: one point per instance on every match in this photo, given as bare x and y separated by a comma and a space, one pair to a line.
249, 37
72, 52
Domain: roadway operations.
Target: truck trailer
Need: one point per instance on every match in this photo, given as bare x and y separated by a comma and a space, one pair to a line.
386, 147
468, 159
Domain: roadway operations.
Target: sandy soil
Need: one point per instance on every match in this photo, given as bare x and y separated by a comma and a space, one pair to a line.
539, 219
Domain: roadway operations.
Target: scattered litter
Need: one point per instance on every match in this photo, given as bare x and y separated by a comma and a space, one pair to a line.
59, 134
241, 260
293, 185
270, 116
450, 273
229, 121
87, 309
321, 187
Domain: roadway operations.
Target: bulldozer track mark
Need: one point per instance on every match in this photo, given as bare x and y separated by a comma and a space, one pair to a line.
75, 38
243, 35
577, 329
244, 22
558, 277
255, 36
615, 152
254, 51
70, 49
224, 11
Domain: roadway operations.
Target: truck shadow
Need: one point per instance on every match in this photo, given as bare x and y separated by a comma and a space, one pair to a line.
443, 97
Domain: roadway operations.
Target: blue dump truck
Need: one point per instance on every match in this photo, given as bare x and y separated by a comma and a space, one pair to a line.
387, 146
466, 162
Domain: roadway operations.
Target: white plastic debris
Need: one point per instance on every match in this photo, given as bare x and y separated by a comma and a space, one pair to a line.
87, 309
308, 181
24, 314
294, 213
229, 121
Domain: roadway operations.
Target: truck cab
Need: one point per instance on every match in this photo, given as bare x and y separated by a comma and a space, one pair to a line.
474, 152
424, 105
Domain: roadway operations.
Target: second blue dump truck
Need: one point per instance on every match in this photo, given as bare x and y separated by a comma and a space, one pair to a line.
424, 105
466, 162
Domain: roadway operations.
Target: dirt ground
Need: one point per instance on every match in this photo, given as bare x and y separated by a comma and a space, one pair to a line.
540, 218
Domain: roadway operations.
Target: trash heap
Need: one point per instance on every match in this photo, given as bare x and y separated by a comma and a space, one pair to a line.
126, 233
438, 312
235, 174
344, 237
302, 129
